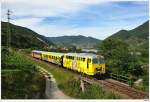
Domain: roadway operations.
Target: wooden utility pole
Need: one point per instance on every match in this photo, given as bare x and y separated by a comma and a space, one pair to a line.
82, 84
8, 30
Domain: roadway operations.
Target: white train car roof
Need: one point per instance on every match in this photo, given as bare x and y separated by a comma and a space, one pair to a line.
47, 52
54, 53
36, 51
83, 55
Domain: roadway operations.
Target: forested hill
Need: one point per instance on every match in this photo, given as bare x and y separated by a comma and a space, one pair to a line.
22, 37
141, 32
78, 41
137, 38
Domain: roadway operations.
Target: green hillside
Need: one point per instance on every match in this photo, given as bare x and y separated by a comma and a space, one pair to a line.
22, 37
137, 38
138, 32
78, 41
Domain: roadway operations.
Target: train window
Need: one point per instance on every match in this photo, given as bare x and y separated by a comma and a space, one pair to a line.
89, 60
95, 60
83, 59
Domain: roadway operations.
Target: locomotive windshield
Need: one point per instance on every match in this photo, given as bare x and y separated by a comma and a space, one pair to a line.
98, 60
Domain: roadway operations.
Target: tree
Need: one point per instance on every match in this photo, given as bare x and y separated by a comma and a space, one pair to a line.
118, 57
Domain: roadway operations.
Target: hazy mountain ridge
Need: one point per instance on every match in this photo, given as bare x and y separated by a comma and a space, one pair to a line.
141, 31
78, 41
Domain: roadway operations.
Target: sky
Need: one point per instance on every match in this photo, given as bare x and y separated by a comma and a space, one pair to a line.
95, 18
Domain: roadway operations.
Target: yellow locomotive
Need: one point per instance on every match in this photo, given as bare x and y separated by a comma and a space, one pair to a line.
89, 64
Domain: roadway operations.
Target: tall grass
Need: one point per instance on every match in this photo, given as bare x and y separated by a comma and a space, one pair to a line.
20, 79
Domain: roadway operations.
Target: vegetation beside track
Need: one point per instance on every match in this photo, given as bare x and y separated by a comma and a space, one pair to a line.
70, 84
120, 59
20, 79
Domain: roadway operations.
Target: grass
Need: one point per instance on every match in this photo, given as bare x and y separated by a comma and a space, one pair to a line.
20, 79
70, 84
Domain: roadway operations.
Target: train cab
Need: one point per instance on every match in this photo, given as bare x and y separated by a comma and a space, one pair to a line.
37, 54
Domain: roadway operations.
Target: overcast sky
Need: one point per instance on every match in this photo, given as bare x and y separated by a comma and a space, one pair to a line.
76, 17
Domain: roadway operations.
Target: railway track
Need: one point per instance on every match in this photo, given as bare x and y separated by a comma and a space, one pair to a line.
132, 93
121, 88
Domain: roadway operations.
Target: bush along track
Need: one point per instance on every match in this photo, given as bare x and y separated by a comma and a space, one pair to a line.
20, 78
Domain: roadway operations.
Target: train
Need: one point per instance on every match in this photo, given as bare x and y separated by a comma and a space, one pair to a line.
87, 63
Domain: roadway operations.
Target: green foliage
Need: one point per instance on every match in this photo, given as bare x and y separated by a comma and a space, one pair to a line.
146, 82
118, 57
20, 78
137, 39
91, 91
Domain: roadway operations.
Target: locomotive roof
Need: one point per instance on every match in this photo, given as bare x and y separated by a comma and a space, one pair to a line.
84, 55
54, 53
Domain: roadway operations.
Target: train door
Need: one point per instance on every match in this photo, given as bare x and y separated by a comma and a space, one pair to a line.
62, 61
89, 65
88, 60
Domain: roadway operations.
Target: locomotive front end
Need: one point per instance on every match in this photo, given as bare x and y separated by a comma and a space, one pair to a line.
99, 65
